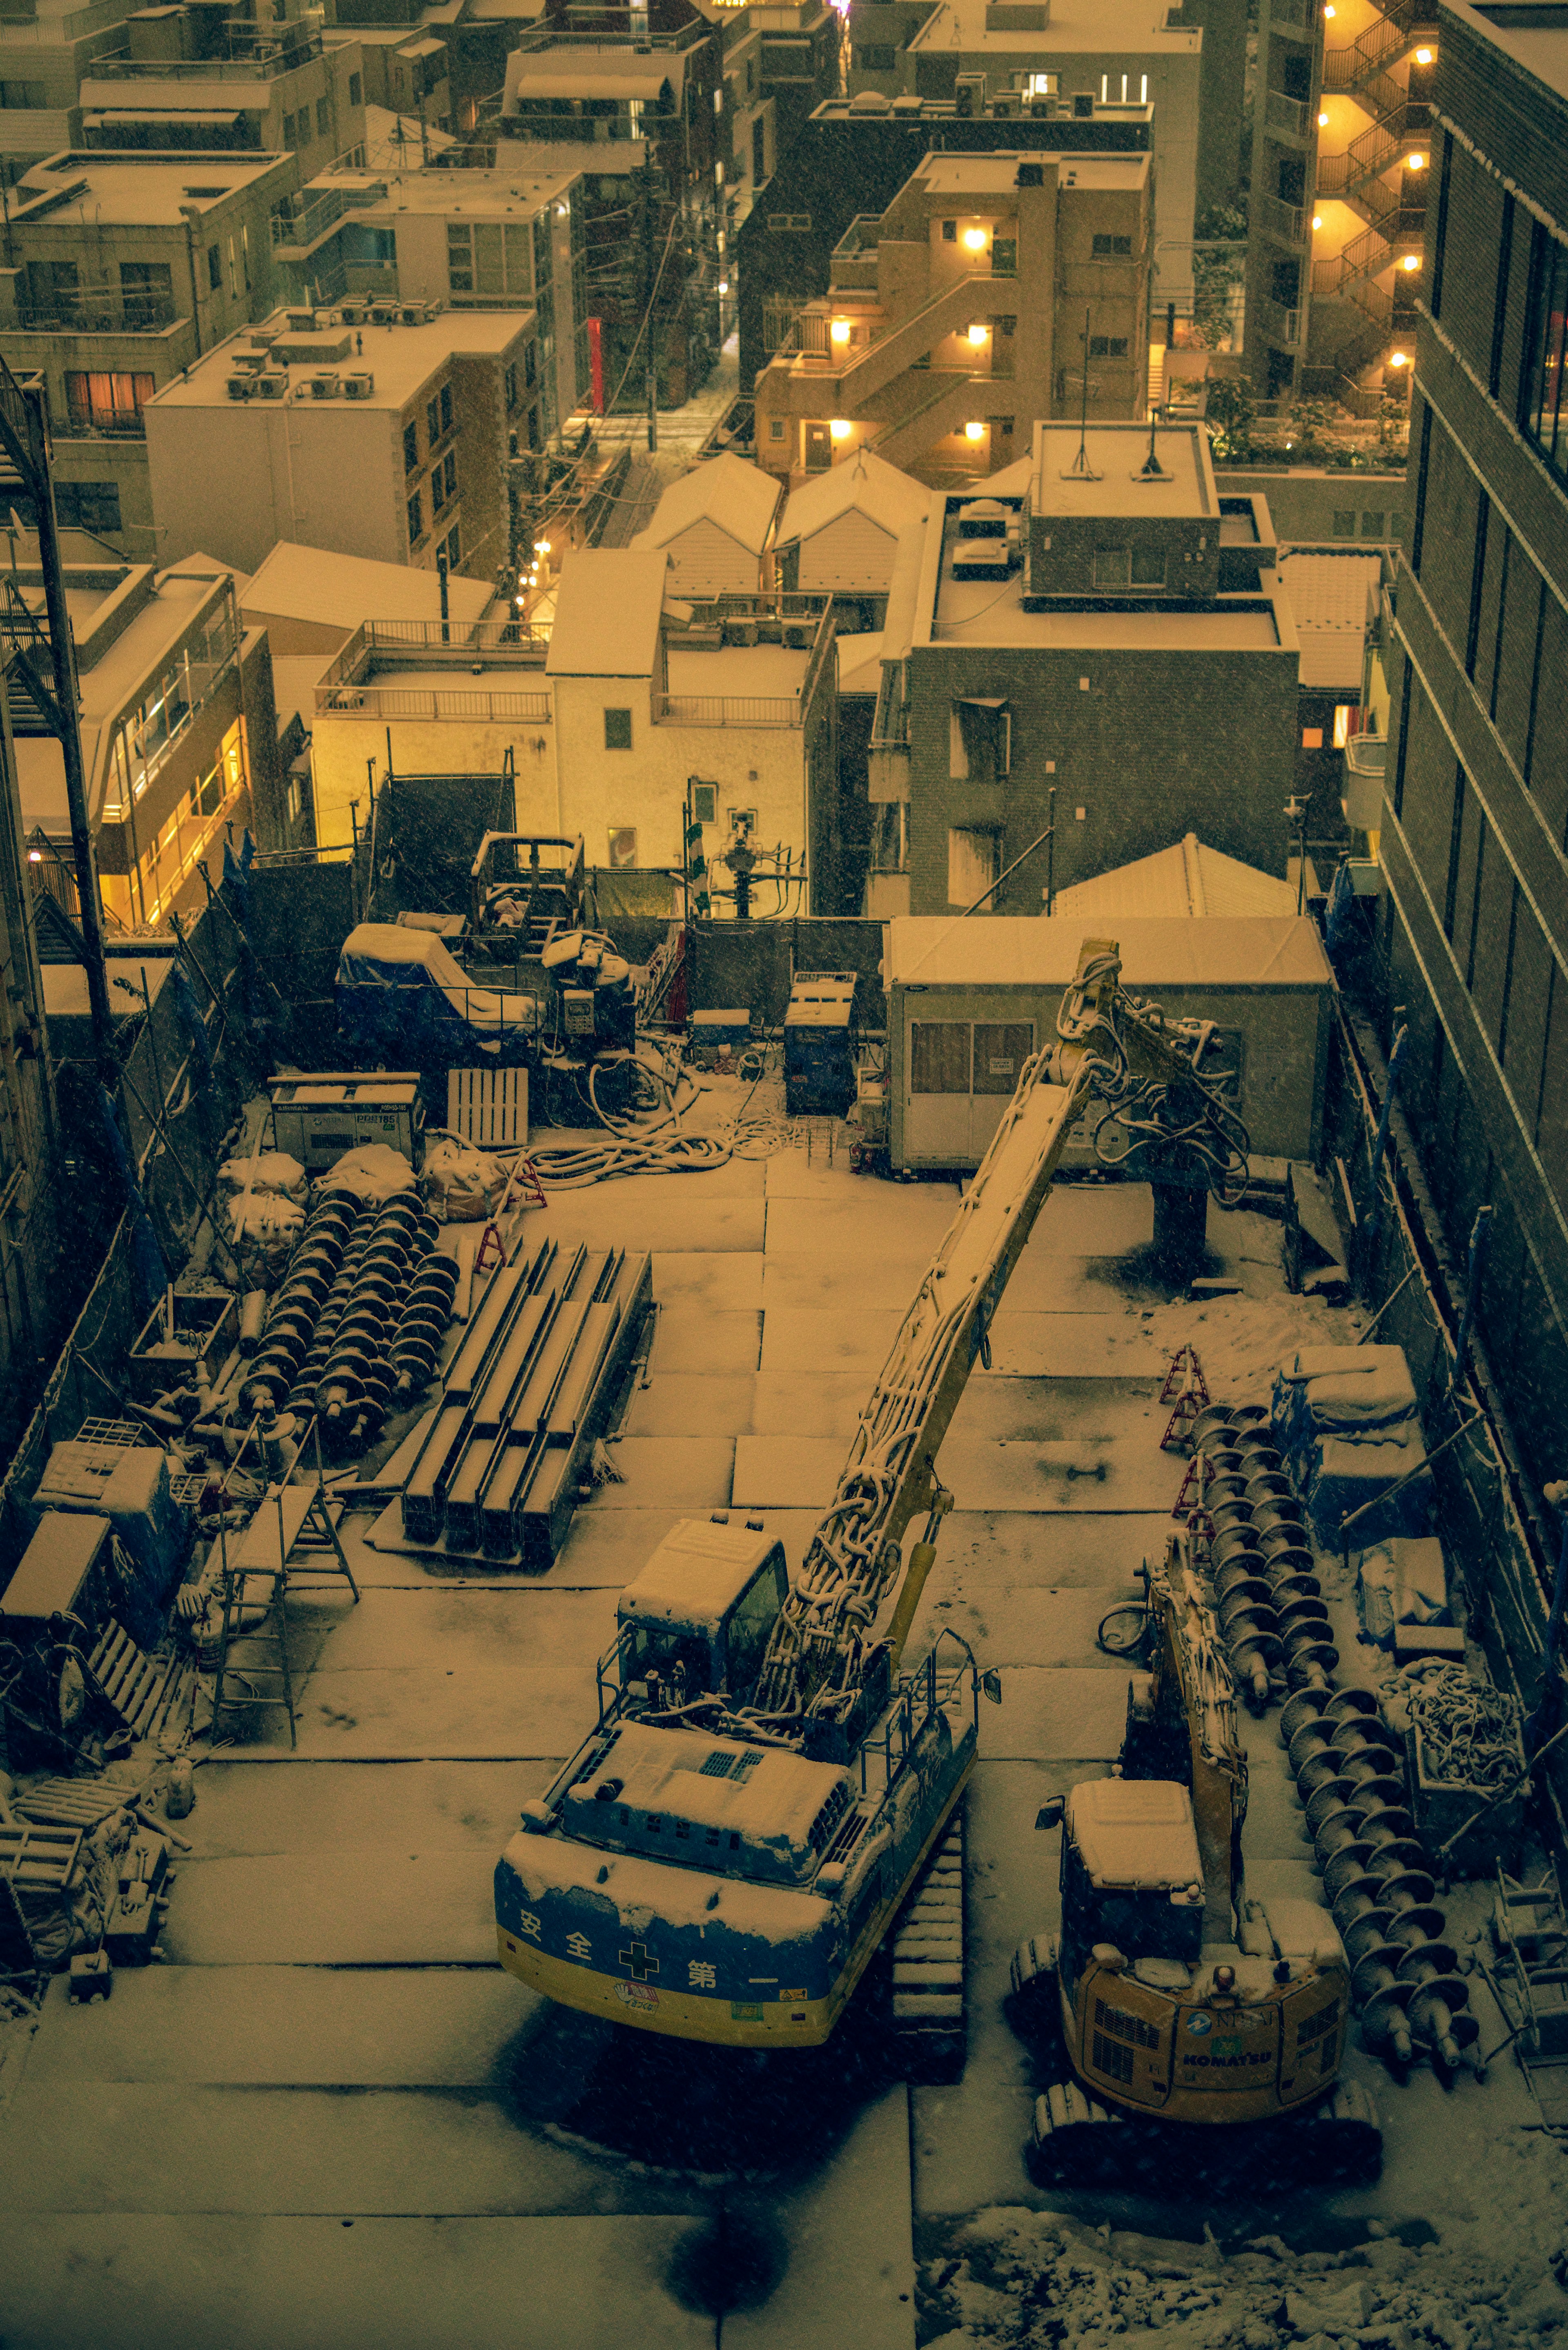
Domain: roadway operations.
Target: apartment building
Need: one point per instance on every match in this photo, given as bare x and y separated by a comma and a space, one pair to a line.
388, 438
1109, 631
406, 67
239, 75
178, 732
1475, 810
122, 270
46, 48
849, 162
471, 239
1017, 56
976, 301
1341, 162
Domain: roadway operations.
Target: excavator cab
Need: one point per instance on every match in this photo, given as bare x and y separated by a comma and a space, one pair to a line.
1131, 1881
699, 1616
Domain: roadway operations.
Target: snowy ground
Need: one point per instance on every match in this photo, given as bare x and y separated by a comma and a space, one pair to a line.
327, 2119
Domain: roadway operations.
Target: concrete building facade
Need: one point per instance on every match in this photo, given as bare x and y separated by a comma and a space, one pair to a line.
122, 270
976, 302
1475, 812
386, 440
1065, 636
239, 78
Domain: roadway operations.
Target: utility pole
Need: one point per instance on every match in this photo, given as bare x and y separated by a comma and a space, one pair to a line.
649, 358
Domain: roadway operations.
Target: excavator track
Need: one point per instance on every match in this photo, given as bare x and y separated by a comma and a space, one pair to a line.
1078, 2140
925, 1950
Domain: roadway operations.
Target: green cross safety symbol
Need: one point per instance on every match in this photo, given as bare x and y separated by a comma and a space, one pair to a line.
639, 1961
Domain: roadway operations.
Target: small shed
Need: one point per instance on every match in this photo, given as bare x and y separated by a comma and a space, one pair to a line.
715, 525
841, 529
970, 1000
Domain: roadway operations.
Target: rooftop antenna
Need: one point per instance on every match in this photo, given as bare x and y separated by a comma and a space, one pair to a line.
1080, 470
1151, 470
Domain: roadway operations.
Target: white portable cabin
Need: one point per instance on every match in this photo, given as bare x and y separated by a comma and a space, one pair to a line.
841, 529
970, 1000
715, 525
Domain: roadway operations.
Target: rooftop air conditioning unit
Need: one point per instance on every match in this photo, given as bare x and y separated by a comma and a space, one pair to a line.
412, 314
354, 314
325, 384
239, 387
274, 385
383, 314
1004, 108
360, 385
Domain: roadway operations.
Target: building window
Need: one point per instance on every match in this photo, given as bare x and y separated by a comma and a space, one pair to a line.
980, 741
974, 863
215, 269
705, 803
530, 364
875, 56
438, 495
1107, 346
106, 402
87, 505
617, 729
775, 428
622, 847
322, 118
451, 548
1372, 523
1344, 523
1004, 257
410, 446
1311, 738
446, 407
416, 519
449, 469
285, 130
510, 380
1113, 248
433, 422
147, 292
24, 94
950, 231
1113, 567
790, 221
355, 89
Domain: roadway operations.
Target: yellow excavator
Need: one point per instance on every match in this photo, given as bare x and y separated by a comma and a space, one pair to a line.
1182, 2003
768, 1797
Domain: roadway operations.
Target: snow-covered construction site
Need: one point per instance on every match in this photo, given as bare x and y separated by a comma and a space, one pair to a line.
696, 1727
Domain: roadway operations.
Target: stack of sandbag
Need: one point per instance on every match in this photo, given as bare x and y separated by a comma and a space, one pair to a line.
462, 1183
263, 1200
373, 1174
1344, 1419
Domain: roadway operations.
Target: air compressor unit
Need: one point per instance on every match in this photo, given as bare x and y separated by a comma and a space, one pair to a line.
819, 1050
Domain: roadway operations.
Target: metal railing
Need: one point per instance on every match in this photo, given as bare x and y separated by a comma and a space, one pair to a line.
1280, 324
88, 317
265, 62
313, 218
1287, 221
725, 710
431, 703
1291, 114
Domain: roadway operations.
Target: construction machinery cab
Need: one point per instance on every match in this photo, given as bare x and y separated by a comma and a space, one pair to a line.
699, 1616
1131, 1880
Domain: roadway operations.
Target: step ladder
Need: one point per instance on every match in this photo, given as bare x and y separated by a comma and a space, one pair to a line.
293, 1524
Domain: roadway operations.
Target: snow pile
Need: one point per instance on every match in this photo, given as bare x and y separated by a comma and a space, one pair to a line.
1024, 2280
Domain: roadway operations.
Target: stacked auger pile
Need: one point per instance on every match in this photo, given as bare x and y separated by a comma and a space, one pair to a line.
295, 1310
1270, 1604
1405, 1981
422, 1324
353, 1344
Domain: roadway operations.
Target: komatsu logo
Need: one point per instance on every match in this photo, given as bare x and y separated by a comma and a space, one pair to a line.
1227, 2063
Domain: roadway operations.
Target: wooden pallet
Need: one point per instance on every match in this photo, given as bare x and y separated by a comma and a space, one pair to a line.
72, 1802
37, 1860
131, 1681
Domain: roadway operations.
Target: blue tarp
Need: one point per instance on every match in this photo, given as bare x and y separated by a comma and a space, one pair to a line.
403, 1002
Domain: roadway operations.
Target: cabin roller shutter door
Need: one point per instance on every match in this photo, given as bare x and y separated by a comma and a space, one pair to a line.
937, 1115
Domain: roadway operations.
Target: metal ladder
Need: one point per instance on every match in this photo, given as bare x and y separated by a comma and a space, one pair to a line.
293, 1523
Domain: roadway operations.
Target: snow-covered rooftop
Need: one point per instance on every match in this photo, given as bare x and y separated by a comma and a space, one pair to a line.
307, 582
609, 607
1116, 454
1328, 598
738, 496
864, 483
1190, 877
1011, 950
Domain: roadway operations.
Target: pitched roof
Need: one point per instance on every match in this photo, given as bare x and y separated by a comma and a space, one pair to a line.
740, 497
608, 609
307, 582
866, 484
1273, 950
1190, 877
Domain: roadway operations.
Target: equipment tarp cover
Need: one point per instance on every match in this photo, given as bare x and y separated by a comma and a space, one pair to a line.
403, 999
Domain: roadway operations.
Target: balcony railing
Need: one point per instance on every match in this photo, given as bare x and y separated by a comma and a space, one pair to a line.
1291, 114
299, 229
1278, 323
95, 315
424, 702
1286, 222
725, 710
264, 62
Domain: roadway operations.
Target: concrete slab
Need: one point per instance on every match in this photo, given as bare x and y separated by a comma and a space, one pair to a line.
793, 1176
1055, 1714
1103, 1475
1094, 1219
472, 1628
614, 1215
838, 1337
693, 1403
999, 1548
333, 1808
1082, 1411
1088, 1345
870, 1281
388, 2027
245, 2283
673, 1472
696, 1337
720, 1281
206, 2149
808, 1403
849, 2240
788, 1472
846, 1225
366, 1907
420, 1712
1010, 1625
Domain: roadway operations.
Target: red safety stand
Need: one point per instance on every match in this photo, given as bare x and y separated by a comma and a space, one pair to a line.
1185, 1373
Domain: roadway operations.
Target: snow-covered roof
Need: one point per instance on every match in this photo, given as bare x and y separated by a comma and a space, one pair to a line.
609, 607
860, 663
738, 496
865, 484
1134, 1832
1328, 598
306, 583
1011, 950
1189, 877
696, 1574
